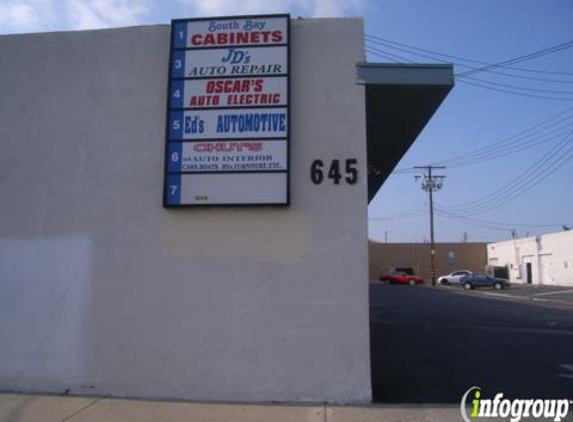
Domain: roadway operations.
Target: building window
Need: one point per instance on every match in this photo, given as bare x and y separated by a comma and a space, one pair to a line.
451, 258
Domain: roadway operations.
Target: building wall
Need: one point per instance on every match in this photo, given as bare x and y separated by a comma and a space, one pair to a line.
104, 292
449, 257
550, 258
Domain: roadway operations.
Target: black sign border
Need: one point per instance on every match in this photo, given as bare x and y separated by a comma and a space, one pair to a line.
288, 107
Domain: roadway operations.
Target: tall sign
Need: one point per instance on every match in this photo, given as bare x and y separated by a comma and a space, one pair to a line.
227, 134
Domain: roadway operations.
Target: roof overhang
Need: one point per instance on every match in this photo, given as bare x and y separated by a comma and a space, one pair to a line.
400, 100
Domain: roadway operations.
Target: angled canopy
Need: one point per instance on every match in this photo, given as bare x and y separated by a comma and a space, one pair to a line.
400, 100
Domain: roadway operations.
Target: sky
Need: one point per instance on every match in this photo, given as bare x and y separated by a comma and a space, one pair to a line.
504, 133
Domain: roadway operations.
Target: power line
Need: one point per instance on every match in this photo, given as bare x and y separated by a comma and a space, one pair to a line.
507, 91
388, 42
399, 215
530, 56
480, 83
541, 132
547, 94
548, 91
386, 54
548, 164
497, 223
501, 197
510, 150
485, 226
554, 159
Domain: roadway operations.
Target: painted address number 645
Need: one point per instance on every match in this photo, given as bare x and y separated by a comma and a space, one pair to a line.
317, 171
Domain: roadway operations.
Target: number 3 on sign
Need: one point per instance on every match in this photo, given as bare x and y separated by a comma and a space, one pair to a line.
334, 173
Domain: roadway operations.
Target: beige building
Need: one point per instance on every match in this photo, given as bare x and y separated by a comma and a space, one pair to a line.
106, 292
449, 257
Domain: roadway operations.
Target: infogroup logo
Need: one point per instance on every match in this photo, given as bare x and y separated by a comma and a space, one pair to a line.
498, 407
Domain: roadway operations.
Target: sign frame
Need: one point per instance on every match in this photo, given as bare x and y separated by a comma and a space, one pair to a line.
168, 174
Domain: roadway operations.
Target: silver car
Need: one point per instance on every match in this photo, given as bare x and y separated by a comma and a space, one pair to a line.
455, 277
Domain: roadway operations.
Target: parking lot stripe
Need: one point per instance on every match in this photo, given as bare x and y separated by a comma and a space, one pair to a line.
567, 367
553, 293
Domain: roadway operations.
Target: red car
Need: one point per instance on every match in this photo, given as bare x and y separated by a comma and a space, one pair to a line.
400, 278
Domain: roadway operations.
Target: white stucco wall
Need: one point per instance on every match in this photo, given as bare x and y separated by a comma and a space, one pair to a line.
551, 258
102, 291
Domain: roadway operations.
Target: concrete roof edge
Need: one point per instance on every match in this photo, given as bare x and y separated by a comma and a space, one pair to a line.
406, 65
393, 74
76, 31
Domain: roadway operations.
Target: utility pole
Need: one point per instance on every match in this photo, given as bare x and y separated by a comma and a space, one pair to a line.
431, 183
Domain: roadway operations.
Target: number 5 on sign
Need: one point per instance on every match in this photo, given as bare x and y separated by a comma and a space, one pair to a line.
176, 125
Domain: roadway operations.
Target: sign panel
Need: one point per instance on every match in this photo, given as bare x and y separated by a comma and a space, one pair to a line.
256, 30
228, 123
233, 92
227, 156
224, 188
229, 62
227, 134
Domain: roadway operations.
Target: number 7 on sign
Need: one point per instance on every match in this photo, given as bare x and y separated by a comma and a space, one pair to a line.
173, 191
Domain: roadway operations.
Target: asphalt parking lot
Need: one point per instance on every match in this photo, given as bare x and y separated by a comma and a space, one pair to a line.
558, 297
431, 344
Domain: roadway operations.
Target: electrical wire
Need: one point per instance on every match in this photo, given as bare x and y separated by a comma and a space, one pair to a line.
506, 91
403, 214
548, 164
387, 55
387, 42
547, 91
511, 89
554, 159
497, 223
520, 59
535, 135
473, 223
538, 134
538, 93
492, 225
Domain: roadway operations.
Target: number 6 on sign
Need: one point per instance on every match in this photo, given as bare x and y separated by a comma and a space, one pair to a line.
175, 154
